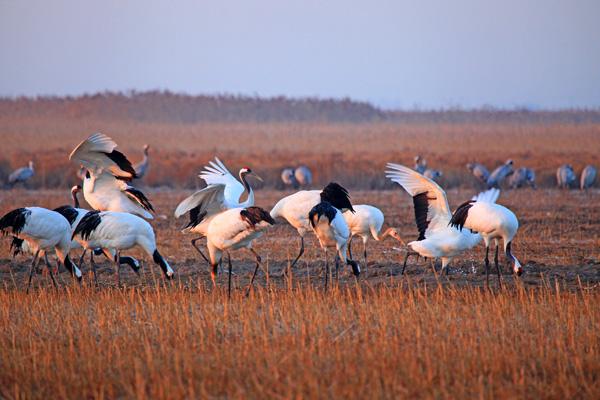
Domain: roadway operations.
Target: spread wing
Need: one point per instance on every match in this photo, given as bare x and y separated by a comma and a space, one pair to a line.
489, 196
216, 173
97, 153
205, 202
431, 205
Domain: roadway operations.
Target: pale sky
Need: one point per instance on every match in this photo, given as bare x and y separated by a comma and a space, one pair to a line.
429, 53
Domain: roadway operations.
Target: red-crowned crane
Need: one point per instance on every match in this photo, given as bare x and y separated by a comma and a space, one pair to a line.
366, 222
331, 229
234, 229
432, 214
116, 231
493, 222
295, 208
141, 168
222, 193
106, 185
43, 230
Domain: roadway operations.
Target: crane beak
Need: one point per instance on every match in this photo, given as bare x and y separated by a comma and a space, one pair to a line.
256, 176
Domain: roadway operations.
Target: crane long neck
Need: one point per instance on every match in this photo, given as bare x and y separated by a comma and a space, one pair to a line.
250, 199
75, 199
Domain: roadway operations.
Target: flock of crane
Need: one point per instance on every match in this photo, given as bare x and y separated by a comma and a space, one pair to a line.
118, 218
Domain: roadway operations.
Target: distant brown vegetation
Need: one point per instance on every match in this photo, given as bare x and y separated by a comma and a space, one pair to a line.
185, 132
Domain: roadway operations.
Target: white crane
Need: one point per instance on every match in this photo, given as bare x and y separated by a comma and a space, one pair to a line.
565, 176
222, 193
116, 231
588, 177
141, 168
234, 229
331, 229
21, 175
366, 222
106, 186
499, 174
432, 214
493, 222
303, 176
479, 171
44, 230
295, 208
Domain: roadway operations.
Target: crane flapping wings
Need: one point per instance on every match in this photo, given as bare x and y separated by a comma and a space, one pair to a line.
431, 205
216, 173
97, 153
202, 204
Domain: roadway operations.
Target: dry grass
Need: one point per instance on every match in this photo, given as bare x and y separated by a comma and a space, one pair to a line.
382, 342
354, 153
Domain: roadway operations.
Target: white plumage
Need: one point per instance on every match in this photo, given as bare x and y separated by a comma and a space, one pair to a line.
493, 222
141, 168
235, 229
222, 193
588, 177
101, 188
44, 230
366, 222
331, 229
296, 207
117, 231
436, 238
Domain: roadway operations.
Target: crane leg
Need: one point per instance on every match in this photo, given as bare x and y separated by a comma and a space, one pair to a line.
487, 266
198, 249
337, 267
229, 279
300, 253
213, 274
350, 248
33, 266
50, 270
365, 255
405, 260
326, 271
258, 264
497, 266
117, 262
93, 268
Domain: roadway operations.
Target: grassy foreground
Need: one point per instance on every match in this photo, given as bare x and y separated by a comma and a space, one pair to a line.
352, 342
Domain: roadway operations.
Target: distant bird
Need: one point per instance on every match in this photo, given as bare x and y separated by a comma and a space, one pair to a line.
588, 177
433, 174
21, 175
303, 176
420, 164
106, 185
565, 176
116, 231
296, 207
141, 168
234, 229
432, 214
288, 178
366, 222
43, 230
331, 229
222, 193
522, 177
499, 174
479, 171
493, 222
